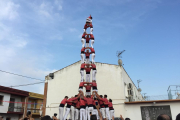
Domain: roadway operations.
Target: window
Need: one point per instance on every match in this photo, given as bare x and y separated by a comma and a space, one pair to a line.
1, 99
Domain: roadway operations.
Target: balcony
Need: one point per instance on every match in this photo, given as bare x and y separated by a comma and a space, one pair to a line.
33, 111
15, 109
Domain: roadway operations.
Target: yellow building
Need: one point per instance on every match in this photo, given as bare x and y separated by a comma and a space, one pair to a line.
35, 100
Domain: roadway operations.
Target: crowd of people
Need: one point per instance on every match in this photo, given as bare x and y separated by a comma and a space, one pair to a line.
82, 106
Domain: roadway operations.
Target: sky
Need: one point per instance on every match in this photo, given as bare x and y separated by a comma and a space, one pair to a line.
39, 37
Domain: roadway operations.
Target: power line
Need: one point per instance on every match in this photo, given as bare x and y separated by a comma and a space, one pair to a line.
21, 75
27, 84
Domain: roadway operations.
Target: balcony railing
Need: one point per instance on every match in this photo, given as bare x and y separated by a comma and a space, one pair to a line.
15, 109
33, 111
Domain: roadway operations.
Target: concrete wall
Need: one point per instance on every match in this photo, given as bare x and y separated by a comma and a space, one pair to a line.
133, 111
125, 77
110, 81
5, 105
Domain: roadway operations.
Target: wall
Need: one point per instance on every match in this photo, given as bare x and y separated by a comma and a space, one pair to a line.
133, 111
66, 82
4, 107
125, 77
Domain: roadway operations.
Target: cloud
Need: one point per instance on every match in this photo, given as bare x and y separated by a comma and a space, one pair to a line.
17, 41
8, 10
73, 30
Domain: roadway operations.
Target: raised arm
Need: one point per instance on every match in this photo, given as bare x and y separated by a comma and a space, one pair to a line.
97, 95
97, 107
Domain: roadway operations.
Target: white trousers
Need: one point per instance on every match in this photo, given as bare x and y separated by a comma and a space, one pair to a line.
87, 44
107, 113
80, 89
86, 113
92, 42
83, 41
66, 114
102, 110
90, 109
87, 77
111, 113
40, 112
82, 58
72, 113
82, 114
93, 56
76, 114
82, 75
88, 93
87, 61
61, 111
95, 112
94, 74
94, 93
91, 30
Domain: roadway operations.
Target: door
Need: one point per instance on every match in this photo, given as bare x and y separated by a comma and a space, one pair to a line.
11, 105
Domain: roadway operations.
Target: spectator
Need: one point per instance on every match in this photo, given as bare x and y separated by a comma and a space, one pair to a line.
125, 118
54, 117
29, 116
1, 118
178, 117
164, 117
47, 117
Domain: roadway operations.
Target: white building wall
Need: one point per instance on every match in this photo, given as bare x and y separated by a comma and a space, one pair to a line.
125, 77
133, 111
110, 81
5, 105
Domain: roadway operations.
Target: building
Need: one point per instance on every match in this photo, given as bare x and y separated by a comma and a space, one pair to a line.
15, 103
36, 101
11, 107
112, 80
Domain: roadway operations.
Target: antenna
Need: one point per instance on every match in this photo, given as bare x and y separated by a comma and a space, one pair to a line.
144, 94
118, 54
138, 81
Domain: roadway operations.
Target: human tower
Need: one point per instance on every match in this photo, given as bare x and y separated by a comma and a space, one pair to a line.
82, 106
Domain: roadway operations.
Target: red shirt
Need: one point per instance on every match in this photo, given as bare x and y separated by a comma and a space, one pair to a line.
82, 84
92, 36
92, 50
83, 65
101, 102
78, 104
90, 101
88, 87
87, 40
87, 54
83, 49
71, 99
110, 105
88, 69
84, 35
93, 65
64, 101
82, 102
88, 25
106, 102
94, 84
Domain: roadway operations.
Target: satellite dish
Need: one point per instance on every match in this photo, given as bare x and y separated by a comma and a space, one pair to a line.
139, 89
120, 62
